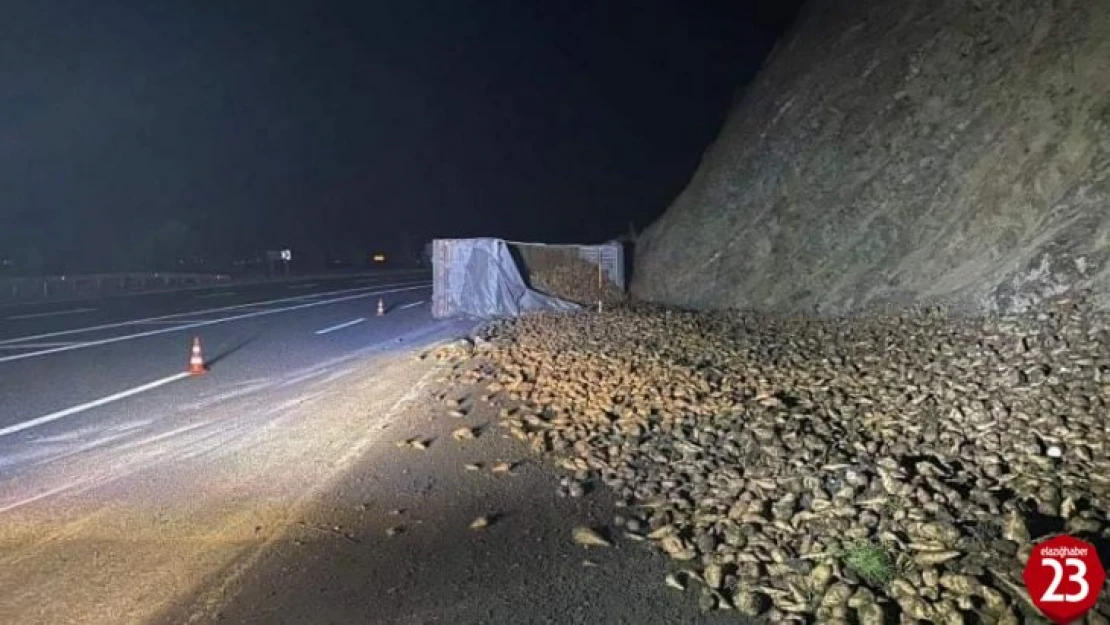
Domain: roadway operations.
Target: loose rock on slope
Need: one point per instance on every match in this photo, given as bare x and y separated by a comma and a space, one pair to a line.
844, 469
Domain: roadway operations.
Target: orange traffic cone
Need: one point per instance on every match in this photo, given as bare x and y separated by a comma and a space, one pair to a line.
381, 307
196, 361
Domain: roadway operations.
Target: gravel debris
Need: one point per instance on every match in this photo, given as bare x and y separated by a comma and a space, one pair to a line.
829, 469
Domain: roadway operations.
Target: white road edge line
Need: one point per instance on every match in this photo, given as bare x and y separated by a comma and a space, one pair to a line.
199, 324
55, 313
157, 322
398, 275
341, 326
39, 345
61, 414
120, 324
410, 305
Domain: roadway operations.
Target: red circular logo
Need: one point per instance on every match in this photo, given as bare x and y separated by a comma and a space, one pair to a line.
1064, 578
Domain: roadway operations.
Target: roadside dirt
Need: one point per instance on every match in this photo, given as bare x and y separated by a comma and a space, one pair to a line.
391, 542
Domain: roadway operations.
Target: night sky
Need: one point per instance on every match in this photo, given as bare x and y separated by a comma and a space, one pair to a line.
220, 128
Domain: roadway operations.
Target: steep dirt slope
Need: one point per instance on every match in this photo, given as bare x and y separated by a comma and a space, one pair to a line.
953, 152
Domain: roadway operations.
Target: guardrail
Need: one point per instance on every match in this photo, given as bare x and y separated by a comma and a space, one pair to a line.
51, 287
14, 290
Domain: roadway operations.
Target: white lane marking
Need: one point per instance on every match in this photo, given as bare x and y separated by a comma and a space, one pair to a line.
199, 324
411, 305
397, 275
341, 326
54, 313
72, 410
120, 324
302, 286
177, 317
39, 345
216, 294
165, 322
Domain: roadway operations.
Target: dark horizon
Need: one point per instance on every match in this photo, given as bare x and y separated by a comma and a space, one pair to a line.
131, 132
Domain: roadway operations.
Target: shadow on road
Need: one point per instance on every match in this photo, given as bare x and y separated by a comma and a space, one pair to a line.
225, 352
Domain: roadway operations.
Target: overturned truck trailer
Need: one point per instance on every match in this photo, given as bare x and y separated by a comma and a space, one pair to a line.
490, 278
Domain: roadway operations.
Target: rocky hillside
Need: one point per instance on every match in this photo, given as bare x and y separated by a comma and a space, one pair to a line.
899, 153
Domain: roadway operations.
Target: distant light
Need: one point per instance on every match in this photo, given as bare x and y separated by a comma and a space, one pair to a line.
287, 255
379, 258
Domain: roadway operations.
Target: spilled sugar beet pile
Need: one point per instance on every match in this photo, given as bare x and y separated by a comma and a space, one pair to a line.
560, 272
576, 281
837, 470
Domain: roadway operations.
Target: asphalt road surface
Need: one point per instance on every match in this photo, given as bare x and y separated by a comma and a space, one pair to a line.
72, 364
262, 490
125, 481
